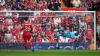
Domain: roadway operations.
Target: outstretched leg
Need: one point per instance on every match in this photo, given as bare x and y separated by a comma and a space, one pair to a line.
30, 43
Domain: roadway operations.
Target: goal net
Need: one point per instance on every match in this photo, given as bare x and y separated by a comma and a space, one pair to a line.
51, 29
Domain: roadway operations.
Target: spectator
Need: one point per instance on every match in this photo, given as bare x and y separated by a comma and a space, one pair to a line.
15, 20
46, 9
43, 7
14, 4
52, 40
34, 5
45, 39
75, 25
82, 24
57, 5
76, 3
57, 20
45, 24
8, 19
88, 18
8, 37
68, 29
2, 2
91, 46
52, 7
49, 33
68, 3
98, 29
39, 39
62, 39
15, 33
48, 5
88, 33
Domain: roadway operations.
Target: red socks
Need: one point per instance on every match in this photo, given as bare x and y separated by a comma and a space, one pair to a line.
25, 45
30, 44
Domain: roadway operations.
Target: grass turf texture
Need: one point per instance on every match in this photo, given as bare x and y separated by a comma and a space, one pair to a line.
50, 53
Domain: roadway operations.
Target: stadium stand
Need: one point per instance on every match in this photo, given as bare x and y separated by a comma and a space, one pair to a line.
34, 5
48, 28
12, 23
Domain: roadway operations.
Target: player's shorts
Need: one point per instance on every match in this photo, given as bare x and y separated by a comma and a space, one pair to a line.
26, 36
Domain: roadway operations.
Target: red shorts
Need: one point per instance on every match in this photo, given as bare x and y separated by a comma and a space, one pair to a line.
26, 36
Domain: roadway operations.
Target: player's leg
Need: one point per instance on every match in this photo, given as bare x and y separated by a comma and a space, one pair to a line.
25, 42
30, 43
25, 45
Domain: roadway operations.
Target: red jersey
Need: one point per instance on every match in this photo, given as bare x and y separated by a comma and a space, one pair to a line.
1, 18
14, 31
34, 5
38, 28
36, 20
65, 21
28, 2
89, 33
15, 20
52, 41
39, 39
62, 21
43, 7
49, 33
5, 24
27, 26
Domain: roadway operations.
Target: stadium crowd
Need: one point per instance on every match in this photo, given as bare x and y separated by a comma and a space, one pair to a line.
45, 5
46, 27
34, 5
87, 5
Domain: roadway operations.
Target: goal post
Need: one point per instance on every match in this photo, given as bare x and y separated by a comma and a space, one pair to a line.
69, 24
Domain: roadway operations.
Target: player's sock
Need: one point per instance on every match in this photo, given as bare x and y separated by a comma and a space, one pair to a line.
30, 44
31, 47
26, 47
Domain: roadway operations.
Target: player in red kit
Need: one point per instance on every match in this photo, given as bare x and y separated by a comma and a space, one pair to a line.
27, 29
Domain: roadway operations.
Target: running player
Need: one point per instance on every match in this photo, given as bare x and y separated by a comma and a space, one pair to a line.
27, 29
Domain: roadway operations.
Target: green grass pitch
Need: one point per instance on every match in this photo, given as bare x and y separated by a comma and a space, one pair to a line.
50, 53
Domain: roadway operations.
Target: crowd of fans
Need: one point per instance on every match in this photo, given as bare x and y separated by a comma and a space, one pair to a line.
46, 5
98, 27
34, 5
46, 26
87, 5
